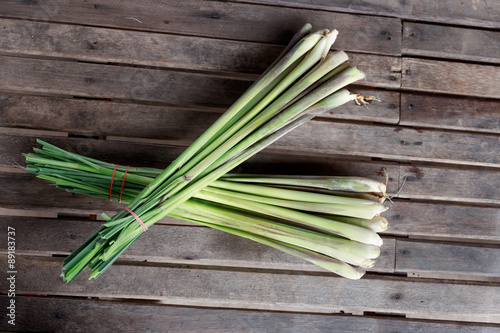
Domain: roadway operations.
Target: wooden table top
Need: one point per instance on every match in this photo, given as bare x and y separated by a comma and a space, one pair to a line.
135, 83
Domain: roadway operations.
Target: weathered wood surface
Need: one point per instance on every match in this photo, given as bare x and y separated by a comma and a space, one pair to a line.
188, 245
97, 117
444, 112
439, 41
20, 37
354, 140
440, 221
77, 315
451, 77
394, 143
217, 19
473, 13
32, 76
268, 291
451, 259
158, 50
447, 184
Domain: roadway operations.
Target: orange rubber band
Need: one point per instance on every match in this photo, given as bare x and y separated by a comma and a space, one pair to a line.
123, 183
111, 185
145, 227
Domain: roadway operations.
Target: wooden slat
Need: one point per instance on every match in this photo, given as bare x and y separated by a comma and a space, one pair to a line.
451, 77
457, 113
473, 13
449, 259
104, 81
267, 291
45, 314
26, 38
448, 184
428, 220
170, 244
217, 19
95, 117
440, 41
84, 43
36, 76
393, 143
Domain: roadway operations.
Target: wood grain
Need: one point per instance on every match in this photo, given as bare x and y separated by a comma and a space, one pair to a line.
456, 113
450, 259
440, 221
476, 13
447, 184
187, 245
217, 19
91, 44
439, 41
37, 76
51, 314
266, 291
393, 143
97, 117
451, 77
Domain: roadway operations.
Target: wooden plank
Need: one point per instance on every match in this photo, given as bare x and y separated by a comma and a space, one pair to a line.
168, 51
393, 143
186, 245
217, 19
446, 184
50, 314
134, 47
96, 117
440, 41
451, 77
456, 113
37, 76
266, 291
476, 13
439, 221
448, 259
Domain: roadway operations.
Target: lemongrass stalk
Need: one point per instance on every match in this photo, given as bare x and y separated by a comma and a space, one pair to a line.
287, 194
327, 96
316, 73
301, 48
376, 224
312, 58
351, 252
304, 31
132, 231
333, 265
346, 230
133, 178
123, 234
337, 183
351, 210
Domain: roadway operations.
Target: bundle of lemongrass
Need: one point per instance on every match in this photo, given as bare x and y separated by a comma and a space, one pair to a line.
303, 216
304, 81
